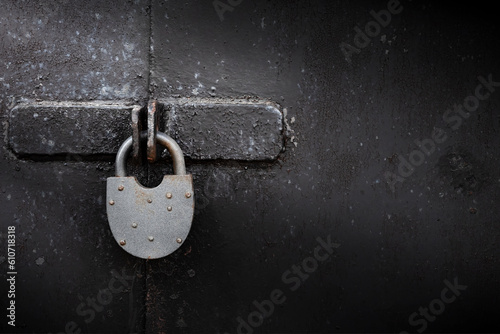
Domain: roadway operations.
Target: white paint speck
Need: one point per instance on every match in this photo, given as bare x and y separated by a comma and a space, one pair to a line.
129, 47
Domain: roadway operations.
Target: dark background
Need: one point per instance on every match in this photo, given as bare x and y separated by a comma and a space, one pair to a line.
350, 123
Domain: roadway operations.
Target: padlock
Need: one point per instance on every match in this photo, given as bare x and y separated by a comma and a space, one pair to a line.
150, 223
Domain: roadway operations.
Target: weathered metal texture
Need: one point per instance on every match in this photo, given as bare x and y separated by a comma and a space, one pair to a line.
257, 222
237, 129
61, 50
229, 129
152, 124
150, 223
256, 225
48, 128
173, 148
136, 124
71, 276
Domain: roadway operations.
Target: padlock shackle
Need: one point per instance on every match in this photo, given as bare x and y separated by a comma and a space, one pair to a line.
173, 148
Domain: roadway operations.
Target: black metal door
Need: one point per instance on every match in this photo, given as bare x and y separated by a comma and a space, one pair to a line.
378, 214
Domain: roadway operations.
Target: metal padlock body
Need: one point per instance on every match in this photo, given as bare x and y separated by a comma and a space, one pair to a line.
150, 223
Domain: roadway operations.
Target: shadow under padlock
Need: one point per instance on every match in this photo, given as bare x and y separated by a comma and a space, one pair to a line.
150, 223
162, 166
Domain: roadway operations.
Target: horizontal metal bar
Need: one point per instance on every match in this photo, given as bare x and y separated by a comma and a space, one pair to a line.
231, 129
55, 128
225, 129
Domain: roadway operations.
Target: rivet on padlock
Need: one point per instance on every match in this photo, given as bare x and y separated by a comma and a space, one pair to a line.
143, 216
